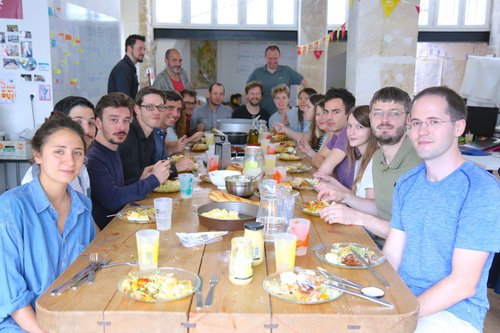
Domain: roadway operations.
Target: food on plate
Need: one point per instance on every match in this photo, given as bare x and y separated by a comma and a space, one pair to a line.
298, 167
313, 207
169, 186
219, 196
343, 253
302, 183
277, 137
222, 214
303, 287
288, 143
235, 167
199, 147
283, 149
156, 287
288, 185
140, 214
288, 157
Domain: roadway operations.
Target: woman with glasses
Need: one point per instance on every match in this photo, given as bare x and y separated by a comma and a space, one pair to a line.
44, 224
80, 110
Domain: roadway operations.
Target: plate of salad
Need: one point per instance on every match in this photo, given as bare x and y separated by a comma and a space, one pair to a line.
164, 284
341, 255
303, 287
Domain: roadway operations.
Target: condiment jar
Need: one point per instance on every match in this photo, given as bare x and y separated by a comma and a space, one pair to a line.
253, 161
240, 261
253, 231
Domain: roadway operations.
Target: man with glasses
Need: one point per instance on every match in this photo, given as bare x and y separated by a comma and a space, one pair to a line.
138, 150
388, 117
337, 103
123, 77
172, 113
109, 192
205, 116
445, 222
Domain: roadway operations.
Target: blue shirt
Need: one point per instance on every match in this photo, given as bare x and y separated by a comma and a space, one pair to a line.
33, 252
283, 75
459, 211
206, 116
293, 121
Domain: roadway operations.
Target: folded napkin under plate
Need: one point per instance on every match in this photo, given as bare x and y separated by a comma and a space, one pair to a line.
200, 238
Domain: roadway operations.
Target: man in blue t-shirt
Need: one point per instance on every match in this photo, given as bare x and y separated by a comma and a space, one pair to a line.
445, 220
273, 74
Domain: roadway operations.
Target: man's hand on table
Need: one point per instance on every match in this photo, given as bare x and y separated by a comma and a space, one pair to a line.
339, 213
184, 164
333, 191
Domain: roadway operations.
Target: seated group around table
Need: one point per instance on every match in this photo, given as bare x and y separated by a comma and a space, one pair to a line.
392, 167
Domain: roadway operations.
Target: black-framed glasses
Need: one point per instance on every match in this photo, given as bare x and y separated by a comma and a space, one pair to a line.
431, 123
151, 107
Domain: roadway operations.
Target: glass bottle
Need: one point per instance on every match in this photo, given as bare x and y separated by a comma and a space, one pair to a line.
262, 128
240, 261
268, 213
253, 231
253, 134
253, 161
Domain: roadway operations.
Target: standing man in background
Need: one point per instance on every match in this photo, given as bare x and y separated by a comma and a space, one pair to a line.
174, 77
123, 77
274, 74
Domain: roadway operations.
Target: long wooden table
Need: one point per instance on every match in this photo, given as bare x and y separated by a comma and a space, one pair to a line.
99, 307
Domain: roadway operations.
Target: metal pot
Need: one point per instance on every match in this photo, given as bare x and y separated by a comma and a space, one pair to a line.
237, 138
234, 125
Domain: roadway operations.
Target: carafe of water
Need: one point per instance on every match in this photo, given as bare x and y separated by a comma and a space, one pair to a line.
268, 213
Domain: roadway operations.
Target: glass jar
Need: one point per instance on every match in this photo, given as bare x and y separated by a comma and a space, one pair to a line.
253, 161
253, 231
240, 261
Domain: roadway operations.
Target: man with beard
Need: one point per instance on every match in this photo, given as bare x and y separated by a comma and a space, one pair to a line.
109, 193
174, 77
389, 107
205, 116
252, 109
123, 77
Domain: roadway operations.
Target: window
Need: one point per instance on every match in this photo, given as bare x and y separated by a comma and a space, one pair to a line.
454, 15
338, 11
223, 14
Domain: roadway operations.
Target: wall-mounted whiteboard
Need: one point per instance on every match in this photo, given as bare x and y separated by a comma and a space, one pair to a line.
85, 45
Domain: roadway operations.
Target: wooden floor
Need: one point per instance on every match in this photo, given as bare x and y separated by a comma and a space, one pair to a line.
492, 322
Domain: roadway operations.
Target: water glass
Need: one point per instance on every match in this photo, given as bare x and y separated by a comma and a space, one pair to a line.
186, 181
148, 241
163, 213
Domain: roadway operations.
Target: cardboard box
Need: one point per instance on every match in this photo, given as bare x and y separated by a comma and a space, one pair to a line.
15, 149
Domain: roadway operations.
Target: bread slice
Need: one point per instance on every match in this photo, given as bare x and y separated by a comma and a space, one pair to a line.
219, 196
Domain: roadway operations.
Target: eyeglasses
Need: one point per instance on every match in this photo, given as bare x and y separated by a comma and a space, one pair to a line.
432, 123
392, 114
151, 107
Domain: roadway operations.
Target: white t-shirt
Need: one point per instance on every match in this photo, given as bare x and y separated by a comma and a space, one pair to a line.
366, 181
81, 183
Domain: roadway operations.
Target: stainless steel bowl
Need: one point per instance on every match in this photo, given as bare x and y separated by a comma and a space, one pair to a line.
241, 185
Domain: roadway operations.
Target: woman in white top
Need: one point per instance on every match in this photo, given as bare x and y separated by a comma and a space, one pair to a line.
80, 110
362, 146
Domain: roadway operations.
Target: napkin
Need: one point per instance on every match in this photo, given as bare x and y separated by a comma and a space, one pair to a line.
200, 238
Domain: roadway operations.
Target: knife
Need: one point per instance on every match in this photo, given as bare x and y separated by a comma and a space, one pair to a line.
369, 298
379, 276
199, 296
63, 287
338, 279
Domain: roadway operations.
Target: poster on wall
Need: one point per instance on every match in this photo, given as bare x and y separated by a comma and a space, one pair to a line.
11, 9
7, 89
203, 63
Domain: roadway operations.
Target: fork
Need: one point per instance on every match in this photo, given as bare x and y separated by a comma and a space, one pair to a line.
94, 260
127, 263
214, 280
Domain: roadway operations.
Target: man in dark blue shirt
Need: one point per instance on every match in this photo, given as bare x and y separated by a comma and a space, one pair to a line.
123, 77
109, 193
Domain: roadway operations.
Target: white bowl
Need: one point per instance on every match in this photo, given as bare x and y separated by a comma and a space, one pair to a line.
218, 177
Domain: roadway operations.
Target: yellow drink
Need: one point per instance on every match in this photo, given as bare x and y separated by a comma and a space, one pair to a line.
269, 163
284, 251
148, 242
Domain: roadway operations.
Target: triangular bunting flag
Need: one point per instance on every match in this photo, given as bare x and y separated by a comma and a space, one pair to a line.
388, 6
342, 29
417, 7
317, 54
